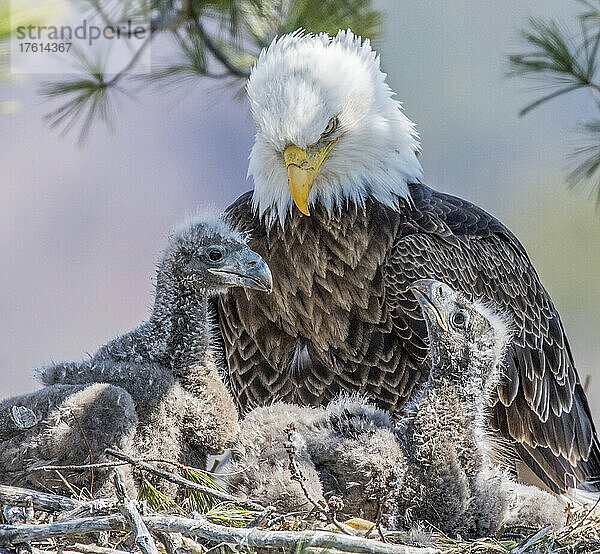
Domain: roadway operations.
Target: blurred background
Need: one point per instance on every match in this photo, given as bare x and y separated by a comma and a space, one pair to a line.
81, 225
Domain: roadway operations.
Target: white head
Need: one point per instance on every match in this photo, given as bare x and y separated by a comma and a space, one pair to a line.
328, 129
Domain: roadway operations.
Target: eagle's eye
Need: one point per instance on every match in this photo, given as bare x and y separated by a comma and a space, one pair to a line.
215, 255
459, 319
331, 127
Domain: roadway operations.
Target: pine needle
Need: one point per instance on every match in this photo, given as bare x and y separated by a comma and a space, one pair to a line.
157, 500
332, 15
563, 63
222, 513
190, 63
88, 97
587, 158
230, 515
196, 500
555, 59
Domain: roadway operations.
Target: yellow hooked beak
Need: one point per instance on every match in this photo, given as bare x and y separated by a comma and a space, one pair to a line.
302, 172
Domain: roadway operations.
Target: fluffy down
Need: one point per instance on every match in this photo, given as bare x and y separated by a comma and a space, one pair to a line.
347, 449
76, 423
450, 482
434, 470
167, 368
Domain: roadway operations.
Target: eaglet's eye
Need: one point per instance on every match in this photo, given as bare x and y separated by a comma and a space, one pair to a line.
215, 255
331, 126
459, 319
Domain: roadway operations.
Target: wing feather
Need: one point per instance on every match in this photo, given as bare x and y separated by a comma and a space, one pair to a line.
343, 289
541, 403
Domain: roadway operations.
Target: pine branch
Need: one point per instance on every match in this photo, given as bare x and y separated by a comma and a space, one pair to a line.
198, 500
192, 64
565, 64
88, 97
230, 515
216, 52
178, 480
156, 499
587, 158
556, 60
133, 61
244, 27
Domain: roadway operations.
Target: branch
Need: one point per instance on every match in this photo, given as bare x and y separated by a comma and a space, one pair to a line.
76, 467
15, 420
282, 541
16, 496
14, 534
216, 52
174, 478
288, 541
132, 61
103, 465
86, 549
142, 536
176, 22
296, 475
98, 7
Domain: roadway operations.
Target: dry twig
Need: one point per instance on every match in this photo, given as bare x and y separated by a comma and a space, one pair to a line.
296, 474
177, 479
17, 496
142, 536
89, 449
282, 541
14, 534
89, 549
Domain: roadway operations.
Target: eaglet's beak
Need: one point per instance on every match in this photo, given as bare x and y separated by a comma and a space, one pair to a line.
427, 292
302, 172
246, 269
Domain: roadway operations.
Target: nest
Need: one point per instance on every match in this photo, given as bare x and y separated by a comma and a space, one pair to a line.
205, 518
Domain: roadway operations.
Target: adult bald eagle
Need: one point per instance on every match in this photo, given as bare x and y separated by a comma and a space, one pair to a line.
332, 140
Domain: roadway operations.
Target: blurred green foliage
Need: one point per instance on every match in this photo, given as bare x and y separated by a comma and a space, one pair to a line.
15, 14
5, 29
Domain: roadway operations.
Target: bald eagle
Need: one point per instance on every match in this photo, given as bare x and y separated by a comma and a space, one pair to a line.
332, 141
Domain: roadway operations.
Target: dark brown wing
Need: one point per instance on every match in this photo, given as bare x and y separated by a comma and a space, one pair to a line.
378, 348
541, 402
326, 327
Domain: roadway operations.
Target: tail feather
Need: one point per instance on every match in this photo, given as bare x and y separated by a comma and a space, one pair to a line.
558, 474
591, 499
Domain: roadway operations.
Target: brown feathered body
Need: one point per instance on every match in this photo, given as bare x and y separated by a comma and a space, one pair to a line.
341, 318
